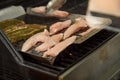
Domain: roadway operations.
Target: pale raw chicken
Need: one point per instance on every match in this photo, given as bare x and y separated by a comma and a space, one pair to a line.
39, 37
87, 32
77, 26
40, 9
53, 40
59, 47
58, 26
57, 13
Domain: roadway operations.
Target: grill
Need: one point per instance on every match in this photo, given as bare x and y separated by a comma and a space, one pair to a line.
97, 58
79, 51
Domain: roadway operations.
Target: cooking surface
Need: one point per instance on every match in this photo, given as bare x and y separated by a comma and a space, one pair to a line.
73, 53
70, 55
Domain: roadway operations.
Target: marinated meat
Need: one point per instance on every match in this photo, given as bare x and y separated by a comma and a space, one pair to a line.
39, 37
77, 26
56, 27
40, 9
87, 31
59, 47
57, 13
53, 40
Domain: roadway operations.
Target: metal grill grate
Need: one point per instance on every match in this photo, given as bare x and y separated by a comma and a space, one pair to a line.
72, 54
76, 52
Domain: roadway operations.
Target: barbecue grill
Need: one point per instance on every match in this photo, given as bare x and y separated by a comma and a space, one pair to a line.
97, 58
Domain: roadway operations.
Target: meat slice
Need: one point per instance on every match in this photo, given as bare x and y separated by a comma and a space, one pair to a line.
59, 47
58, 26
39, 37
77, 26
40, 9
87, 32
53, 40
57, 13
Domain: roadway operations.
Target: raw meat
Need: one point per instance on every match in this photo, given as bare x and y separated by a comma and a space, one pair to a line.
39, 37
59, 47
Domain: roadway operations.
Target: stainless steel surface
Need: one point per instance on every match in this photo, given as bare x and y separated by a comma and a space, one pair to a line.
54, 5
116, 75
99, 65
11, 12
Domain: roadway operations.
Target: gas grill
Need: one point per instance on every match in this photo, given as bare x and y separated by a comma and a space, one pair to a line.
97, 58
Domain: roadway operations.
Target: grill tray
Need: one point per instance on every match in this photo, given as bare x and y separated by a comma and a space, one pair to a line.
48, 21
71, 55
36, 70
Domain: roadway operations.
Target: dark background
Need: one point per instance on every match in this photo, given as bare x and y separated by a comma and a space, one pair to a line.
70, 4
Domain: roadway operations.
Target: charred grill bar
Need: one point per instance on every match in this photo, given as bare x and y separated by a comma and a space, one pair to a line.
97, 58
